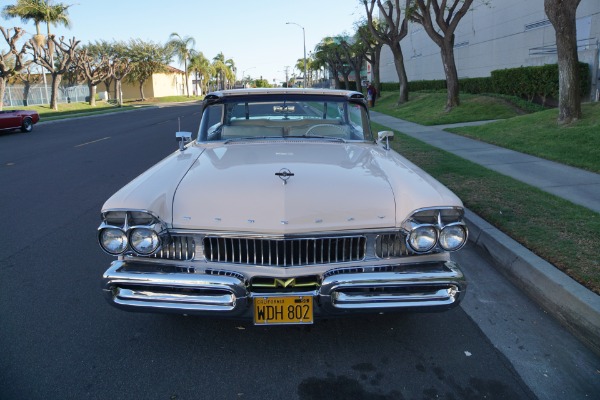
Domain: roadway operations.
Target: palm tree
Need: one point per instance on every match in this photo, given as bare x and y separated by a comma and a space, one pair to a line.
223, 70
230, 64
328, 52
201, 66
39, 11
182, 47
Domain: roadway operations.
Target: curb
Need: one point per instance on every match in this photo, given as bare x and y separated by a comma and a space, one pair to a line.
574, 306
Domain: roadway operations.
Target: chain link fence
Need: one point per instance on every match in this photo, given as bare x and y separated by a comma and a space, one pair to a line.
33, 95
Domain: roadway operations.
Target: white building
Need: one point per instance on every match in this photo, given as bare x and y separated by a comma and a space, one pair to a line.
502, 34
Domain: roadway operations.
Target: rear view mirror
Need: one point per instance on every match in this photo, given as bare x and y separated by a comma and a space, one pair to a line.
183, 138
387, 136
284, 109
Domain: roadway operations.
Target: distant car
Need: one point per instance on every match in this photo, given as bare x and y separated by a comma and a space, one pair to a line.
284, 209
18, 119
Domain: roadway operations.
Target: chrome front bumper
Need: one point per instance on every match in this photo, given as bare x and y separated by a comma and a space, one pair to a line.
431, 286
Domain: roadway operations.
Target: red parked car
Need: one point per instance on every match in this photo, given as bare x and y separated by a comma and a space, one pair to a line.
18, 119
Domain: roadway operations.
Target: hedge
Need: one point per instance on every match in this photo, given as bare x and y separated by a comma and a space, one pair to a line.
526, 82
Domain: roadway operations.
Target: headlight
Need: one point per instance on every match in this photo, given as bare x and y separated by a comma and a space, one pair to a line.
144, 240
113, 240
453, 237
423, 238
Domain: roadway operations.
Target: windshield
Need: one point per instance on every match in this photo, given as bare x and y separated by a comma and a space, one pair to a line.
265, 117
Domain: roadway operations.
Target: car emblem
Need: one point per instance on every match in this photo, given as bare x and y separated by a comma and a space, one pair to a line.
284, 174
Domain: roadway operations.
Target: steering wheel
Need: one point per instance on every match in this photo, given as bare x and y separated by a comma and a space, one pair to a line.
337, 127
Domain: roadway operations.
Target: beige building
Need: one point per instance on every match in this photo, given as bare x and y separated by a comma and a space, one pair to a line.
170, 83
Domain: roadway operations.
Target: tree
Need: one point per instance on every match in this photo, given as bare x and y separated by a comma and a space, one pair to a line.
446, 18
28, 10
120, 64
354, 50
201, 66
148, 58
232, 71
52, 14
261, 83
44, 56
223, 70
182, 47
27, 78
373, 52
391, 31
13, 60
330, 53
561, 14
93, 63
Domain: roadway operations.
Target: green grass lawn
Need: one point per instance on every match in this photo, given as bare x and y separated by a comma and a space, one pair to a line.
557, 230
68, 110
428, 108
538, 134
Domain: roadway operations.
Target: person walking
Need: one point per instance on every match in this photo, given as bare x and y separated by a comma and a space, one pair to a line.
371, 95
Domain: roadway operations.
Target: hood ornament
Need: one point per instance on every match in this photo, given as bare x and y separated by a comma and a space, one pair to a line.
284, 174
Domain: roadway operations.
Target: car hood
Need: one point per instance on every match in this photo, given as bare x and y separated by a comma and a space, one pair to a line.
153, 190
334, 187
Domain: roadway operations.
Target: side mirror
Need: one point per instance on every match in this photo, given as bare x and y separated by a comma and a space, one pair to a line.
183, 138
387, 136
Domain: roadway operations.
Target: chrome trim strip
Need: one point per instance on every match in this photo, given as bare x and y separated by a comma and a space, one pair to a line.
215, 303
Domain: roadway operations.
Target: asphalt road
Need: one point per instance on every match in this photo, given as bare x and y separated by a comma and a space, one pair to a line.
59, 339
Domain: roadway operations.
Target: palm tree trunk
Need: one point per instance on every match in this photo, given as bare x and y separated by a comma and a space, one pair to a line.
185, 74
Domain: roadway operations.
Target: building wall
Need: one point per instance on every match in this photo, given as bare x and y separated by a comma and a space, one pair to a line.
170, 84
160, 85
503, 34
132, 90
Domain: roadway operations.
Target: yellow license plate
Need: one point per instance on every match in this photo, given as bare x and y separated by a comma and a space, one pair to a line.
283, 310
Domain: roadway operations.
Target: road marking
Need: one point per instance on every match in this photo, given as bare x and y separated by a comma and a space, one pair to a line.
94, 141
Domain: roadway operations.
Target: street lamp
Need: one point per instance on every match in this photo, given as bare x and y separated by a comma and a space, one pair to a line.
304, 41
244, 76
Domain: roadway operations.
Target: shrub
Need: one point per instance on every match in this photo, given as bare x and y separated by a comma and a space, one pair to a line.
529, 83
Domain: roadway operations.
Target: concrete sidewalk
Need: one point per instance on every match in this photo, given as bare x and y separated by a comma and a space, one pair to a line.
576, 185
573, 305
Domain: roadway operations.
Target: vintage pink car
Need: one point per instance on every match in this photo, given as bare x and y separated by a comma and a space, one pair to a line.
285, 208
18, 119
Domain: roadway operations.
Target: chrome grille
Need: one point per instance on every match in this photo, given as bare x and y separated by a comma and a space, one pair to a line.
391, 245
284, 252
180, 248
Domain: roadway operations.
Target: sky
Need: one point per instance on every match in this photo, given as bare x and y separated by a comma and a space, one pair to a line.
253, 33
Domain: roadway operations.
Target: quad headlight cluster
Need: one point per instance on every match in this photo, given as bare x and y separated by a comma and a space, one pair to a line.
130, 231
430, 229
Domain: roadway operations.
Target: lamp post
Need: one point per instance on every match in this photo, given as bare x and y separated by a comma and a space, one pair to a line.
304, 42
244, 76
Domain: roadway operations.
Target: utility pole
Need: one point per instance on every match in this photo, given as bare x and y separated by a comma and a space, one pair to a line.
287, 80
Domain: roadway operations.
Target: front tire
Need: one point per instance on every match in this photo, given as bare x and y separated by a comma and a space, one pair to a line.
27, 125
